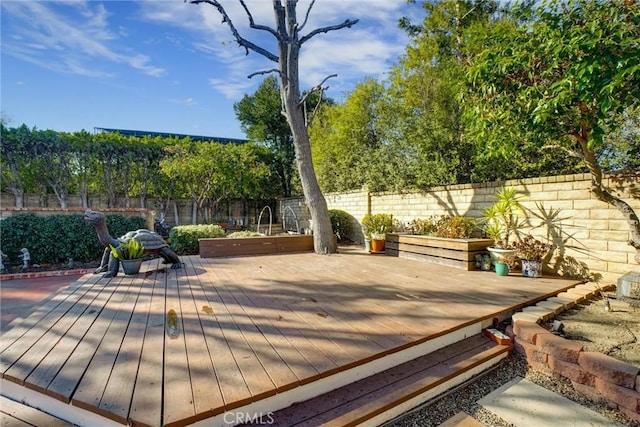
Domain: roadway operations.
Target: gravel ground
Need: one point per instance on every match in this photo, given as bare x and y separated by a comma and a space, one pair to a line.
465, 397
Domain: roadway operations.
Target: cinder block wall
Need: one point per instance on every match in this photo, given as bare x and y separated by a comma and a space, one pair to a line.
590, 236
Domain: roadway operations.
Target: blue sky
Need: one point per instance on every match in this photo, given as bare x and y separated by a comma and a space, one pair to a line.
168, 66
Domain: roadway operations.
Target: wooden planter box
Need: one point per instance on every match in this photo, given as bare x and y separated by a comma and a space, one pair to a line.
220, 247
457, 253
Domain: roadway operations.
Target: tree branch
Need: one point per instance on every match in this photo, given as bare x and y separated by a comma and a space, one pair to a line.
346, 24
317, 88
306, 16
572, 153
257, 73
253, 25
239, 39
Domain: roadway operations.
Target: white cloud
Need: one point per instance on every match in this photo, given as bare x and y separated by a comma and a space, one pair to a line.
71, 37
366, 49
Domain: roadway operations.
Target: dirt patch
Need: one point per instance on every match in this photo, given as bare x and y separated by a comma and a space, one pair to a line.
615, 332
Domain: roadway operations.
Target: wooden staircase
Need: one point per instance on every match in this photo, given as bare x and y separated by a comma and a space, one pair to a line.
383, 396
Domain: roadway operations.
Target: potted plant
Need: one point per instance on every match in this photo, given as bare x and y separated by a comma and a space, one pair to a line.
130, 254
531, 251
375, 228
501, 224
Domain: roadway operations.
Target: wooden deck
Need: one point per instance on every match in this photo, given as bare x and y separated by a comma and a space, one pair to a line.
171, 347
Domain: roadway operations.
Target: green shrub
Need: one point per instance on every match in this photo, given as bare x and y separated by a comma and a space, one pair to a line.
54, 239
424, 227
450, 226
340, 224
455, 226
184, 238
377, 225
245, 233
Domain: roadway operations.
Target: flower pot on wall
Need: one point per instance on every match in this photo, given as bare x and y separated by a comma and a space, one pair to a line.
531, 268
367, 245
377, 245
131, 266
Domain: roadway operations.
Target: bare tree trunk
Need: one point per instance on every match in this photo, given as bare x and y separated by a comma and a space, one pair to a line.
176, 213
19, 197
194, 212
287, 34
84, 195
323, 241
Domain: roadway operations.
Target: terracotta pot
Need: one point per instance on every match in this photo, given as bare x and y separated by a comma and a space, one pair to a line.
377, 245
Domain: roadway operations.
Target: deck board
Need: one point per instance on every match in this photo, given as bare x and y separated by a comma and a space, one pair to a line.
66, 380
170, 347
94, 381
233, 388
116, 398
178, 396
47, 369
42, 346
206, 392
146, 402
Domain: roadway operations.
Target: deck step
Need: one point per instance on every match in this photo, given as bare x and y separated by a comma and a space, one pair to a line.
13, 413
373, 399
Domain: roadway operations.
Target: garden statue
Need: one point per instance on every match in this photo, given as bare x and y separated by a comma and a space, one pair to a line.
152, 242
26, 257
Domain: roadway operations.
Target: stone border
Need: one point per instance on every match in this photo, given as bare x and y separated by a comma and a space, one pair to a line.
52, 273
596, 376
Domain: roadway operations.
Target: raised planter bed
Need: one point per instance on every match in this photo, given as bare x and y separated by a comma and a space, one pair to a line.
457, 253
264, 245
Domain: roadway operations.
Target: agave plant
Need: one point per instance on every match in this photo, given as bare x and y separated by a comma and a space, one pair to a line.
502, 220
128, 250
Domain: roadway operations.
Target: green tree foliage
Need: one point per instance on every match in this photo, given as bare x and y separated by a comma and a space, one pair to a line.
51, 163
261, 118
124, 167
212, 172
83, 164
16, 147
348, 144
561, 81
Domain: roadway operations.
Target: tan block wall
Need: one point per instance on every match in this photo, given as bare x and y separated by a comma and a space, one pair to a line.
590, 235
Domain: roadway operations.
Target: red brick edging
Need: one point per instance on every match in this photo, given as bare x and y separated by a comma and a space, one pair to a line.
53, 273
597, 376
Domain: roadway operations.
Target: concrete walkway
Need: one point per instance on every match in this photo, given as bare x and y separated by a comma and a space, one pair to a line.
525, 404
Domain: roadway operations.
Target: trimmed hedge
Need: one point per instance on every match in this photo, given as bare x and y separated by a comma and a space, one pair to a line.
54, 239
184, 238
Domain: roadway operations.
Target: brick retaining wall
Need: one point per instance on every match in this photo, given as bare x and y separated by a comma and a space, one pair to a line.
598, 377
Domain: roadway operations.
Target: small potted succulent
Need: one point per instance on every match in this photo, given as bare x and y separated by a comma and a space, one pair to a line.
130, 254
531, 251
